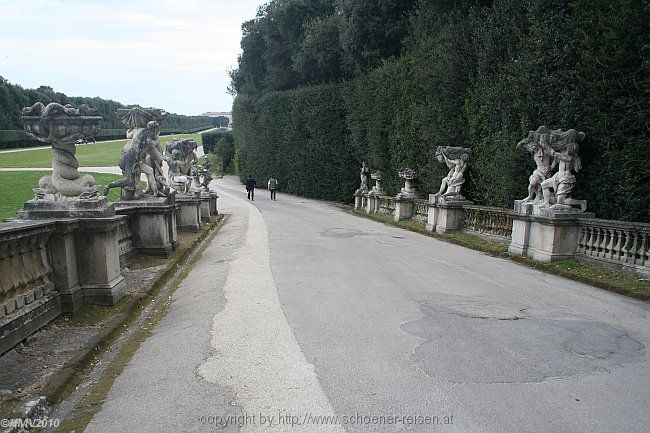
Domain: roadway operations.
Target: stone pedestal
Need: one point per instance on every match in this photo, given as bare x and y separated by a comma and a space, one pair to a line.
214, 210
521, 219
403, 208
153, 224
208, 203
98, 260
188, 213
544, 234
445, 215
372, 203
63, 247
358, 200
67, 207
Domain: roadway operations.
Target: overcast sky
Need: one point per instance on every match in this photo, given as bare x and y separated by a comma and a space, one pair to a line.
171, 54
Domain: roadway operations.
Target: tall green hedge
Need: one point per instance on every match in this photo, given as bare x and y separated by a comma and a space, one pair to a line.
300, 137
478, 74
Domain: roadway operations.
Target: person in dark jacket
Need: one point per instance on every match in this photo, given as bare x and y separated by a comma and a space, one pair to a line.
250, 187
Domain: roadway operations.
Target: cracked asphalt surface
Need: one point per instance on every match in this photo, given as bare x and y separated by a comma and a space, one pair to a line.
353, 318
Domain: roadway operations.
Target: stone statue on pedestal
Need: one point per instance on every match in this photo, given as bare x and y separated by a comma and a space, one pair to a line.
62, 126
365, 172
456, 159
142, 153
560, 149
180, 162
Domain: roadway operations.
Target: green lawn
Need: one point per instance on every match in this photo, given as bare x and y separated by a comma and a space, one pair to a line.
16, 188
102, 154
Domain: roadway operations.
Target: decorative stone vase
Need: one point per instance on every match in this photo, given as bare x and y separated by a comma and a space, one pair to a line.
408, 174
62, 126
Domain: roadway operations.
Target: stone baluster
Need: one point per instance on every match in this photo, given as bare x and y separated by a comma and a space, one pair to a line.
619, 245
610, 244
645, 259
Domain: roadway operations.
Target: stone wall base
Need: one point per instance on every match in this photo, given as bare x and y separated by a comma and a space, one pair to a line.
22, 323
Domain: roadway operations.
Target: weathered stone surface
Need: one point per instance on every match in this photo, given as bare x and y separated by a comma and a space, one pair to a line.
98, 260
403, 208
142, 153
152, 223
182, 174
456, 159
551, 148
408, 192
67, 207
545, 234
26, 276
188, 213
61, 126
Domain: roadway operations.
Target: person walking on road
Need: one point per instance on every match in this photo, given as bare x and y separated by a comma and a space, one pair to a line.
250, 187
273, 186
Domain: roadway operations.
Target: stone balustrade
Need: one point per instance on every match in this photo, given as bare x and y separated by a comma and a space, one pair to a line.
420, 210
617, 244
125, 243
492, 222
27, 298
386, 204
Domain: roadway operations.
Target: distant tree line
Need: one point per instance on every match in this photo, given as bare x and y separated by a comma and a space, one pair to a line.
324, 84
14, 97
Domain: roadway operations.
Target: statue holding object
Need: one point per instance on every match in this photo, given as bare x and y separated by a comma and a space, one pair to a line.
456, 159
550, 149
180, 161
142, 153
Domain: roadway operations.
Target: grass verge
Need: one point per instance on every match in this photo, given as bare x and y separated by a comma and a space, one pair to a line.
100, 154
620, 282
16, 187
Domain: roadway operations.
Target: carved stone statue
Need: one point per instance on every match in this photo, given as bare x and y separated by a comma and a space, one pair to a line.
376, 176
142, 153
409, 175
365, 172
540, 174
560, 147
203, 171
180, 162
456, 159
62, 126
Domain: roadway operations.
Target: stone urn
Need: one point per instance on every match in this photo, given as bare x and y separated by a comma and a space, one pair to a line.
409, 175
376, 176
62, 126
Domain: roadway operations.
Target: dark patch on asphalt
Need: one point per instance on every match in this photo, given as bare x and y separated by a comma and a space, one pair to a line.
477, 341
342, 233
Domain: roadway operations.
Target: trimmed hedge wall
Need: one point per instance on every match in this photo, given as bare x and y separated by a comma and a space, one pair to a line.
480, 76
300, 138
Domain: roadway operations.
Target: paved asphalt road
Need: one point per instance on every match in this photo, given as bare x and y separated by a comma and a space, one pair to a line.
300, 312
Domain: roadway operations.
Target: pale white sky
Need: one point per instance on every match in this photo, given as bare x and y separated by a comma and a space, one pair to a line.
171, 54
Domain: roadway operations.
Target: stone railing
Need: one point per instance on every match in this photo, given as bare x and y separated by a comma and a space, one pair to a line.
420, 210
386, 204
492, 222
125, 243
617, 244
27, 298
